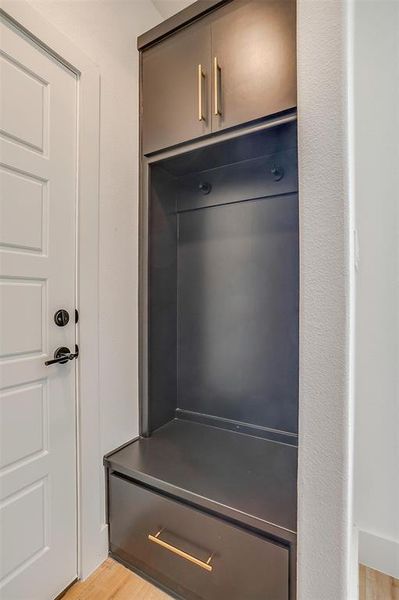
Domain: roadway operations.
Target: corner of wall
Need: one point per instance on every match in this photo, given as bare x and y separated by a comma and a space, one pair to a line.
325, 523
379, 553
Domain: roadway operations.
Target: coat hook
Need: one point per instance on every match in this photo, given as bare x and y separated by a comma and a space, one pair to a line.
205, 187
277, 173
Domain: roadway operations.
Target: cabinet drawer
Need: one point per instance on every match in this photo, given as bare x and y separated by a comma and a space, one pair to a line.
195, 555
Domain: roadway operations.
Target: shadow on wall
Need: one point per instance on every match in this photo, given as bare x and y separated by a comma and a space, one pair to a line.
167, 8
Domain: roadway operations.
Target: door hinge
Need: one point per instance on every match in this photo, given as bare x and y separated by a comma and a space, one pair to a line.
76, 315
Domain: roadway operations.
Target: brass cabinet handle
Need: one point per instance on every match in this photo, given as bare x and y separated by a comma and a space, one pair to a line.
201, 76
200, 563
216, 84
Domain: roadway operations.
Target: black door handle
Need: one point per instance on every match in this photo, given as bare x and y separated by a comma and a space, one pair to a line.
62, 355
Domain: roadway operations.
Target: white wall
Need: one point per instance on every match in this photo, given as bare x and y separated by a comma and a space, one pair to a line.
167, 8
376, 104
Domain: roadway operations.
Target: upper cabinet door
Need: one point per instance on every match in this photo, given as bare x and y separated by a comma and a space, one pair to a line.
253, 60
176, 88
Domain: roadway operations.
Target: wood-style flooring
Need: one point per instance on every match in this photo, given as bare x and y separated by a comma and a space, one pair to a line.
374, 585
112, 581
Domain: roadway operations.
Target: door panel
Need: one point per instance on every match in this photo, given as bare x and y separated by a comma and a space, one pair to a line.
23, 423
254, 44
21, 195
24, 126
170, 88
37, 277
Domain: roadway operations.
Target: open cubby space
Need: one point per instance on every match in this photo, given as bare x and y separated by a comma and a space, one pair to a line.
223, 286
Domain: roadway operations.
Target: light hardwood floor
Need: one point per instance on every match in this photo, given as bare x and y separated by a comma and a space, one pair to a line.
374, 585
111, 581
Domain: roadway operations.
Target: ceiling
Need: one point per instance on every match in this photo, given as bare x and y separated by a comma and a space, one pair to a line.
167, 8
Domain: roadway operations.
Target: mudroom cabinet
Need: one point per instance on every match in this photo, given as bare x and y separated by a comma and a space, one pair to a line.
204, 501
176, 96
234, 65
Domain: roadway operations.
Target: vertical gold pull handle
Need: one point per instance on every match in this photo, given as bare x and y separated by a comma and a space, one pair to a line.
217, 86
200, 563
201, 77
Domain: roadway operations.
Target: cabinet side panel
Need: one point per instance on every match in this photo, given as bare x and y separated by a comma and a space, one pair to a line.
162, 302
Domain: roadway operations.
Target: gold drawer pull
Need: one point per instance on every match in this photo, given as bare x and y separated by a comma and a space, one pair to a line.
201, 77
200, 563
217, 71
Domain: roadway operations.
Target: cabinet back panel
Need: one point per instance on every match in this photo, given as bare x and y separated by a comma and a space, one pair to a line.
238, 311
240, 181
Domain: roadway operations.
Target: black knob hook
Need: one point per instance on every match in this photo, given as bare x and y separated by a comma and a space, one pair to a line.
277, 172
205, 187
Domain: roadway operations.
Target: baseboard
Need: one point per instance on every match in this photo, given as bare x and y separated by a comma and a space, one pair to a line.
379, 553
354, 568
95, 554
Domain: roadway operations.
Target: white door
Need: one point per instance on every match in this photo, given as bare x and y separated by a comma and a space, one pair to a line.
37, 277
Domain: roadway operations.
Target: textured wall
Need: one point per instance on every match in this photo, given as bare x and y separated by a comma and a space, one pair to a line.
325, 423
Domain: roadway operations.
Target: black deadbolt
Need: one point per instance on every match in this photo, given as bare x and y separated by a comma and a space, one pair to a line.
61, 317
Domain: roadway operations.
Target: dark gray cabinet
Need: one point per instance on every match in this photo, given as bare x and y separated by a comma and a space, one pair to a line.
253, 49
235, 65
175, 88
